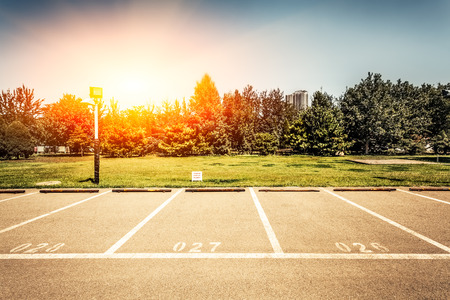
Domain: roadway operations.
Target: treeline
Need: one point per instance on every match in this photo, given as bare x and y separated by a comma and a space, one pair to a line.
384, 117
373, 117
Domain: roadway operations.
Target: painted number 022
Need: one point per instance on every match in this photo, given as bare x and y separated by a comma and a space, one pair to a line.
195, 247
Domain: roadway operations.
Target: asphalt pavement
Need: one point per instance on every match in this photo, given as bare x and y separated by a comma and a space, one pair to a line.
250, 244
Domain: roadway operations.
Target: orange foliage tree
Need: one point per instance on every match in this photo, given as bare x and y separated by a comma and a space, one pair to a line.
68, 122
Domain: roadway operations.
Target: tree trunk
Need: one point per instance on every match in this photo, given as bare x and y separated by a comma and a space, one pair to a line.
367, 147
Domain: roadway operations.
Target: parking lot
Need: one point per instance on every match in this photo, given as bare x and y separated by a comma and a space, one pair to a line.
238, 243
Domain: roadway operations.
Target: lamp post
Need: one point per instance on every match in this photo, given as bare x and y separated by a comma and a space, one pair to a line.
96, 93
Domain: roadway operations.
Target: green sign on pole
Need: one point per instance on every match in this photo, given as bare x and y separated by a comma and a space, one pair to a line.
95, 92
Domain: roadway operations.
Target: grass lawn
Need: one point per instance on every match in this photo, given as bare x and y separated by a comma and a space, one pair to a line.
219, 171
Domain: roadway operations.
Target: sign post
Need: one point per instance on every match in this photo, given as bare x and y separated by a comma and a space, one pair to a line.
197, 176
96, 93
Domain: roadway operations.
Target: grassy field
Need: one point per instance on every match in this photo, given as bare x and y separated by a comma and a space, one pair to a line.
219, 171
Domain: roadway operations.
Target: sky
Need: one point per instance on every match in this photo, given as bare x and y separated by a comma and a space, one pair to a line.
145, 52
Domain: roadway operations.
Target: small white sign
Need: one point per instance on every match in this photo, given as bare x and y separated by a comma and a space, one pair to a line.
197, 176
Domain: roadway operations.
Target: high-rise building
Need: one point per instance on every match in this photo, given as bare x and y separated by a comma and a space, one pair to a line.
298, 99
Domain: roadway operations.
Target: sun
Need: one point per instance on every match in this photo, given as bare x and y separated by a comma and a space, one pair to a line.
132, 85
130, 90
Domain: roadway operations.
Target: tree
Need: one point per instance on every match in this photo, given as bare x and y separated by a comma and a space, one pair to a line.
122, 134
441, 143
319, 129
78, 140
298, 135
63, 118
265, 143
206, 119
274, 112
367, 114
3, 128
180, 140
205, 103
20, 105
18, 140
438, 108
239, 111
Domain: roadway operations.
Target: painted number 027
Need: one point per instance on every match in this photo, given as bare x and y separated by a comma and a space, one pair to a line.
195, 247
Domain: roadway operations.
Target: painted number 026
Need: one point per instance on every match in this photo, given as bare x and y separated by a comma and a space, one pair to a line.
195, 247
361, 248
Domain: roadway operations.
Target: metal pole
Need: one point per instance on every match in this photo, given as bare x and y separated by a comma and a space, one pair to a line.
96, 148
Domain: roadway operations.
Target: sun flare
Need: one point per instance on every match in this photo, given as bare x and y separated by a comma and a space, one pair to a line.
133, 85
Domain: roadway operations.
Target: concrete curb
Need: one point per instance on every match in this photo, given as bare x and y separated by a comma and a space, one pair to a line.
364, 189
141, 190
429, 189
213, 190
286, 190
46, 191
12, 191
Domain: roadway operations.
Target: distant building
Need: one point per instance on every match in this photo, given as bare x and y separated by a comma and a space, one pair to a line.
298, 99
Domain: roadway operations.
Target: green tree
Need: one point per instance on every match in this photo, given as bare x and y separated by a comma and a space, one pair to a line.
20, 105
438, 108
274, 114
265, 143
239, 111
3, 128
410, 118
319, 129
78, 140
367, 110
298, 135
18, 140
441, 143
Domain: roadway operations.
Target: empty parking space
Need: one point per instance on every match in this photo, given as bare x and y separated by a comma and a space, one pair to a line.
6, 194
91, 227
34, 204
440, 196
425, 216
203, 222
320, 223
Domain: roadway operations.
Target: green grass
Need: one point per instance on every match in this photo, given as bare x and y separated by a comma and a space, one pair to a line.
232, 171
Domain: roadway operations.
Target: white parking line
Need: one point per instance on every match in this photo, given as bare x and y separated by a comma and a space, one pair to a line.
18, 197
52, 212
434, 199
321, 256
416, 234
140, 225
270, 233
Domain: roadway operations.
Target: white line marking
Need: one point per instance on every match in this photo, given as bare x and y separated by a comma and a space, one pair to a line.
339, 256
124, 239
18, 197
416, 234
270, 233
52, 212
445, 202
